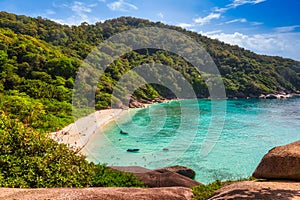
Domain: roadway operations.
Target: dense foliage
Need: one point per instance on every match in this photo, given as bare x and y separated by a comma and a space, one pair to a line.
39, 59
31, 159
204, 192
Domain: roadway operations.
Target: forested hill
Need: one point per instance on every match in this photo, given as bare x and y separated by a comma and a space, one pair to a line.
39, 59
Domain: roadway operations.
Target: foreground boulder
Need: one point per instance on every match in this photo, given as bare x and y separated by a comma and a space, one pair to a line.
165, 178
158, 178
281, 162
276, 190
175, 193
185, 171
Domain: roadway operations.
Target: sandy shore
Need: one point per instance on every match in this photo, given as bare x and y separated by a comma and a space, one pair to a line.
77, 134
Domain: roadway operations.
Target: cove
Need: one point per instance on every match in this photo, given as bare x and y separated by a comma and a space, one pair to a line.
166, 134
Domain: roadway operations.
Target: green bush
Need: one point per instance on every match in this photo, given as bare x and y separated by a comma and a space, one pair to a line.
104, 176
203, 192
31, 159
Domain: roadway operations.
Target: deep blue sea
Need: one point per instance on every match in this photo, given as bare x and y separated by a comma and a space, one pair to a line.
219, 139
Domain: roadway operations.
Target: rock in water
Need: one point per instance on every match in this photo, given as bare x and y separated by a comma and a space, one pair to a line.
282, 162
185, 171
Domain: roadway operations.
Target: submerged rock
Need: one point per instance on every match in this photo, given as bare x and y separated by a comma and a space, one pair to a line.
282, 162
185, 171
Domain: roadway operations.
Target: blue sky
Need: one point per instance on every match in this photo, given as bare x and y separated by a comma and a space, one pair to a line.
269, 27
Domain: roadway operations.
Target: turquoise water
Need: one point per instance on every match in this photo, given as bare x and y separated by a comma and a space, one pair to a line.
222, 139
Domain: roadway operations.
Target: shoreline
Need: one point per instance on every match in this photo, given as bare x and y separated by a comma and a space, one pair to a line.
77, 135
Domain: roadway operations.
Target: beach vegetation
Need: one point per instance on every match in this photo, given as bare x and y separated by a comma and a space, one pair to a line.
30, 159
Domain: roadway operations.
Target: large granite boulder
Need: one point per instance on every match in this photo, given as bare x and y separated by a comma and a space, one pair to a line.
158, 178
174, 193
185, 171
165, 178
282, 162
276, 190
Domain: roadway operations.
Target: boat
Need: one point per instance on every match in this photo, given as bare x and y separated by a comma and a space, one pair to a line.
123, 132
133, 150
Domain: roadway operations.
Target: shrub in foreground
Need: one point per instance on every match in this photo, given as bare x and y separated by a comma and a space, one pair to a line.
30, 159
203, 192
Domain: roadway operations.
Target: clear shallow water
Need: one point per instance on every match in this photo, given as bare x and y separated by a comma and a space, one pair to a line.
218, 139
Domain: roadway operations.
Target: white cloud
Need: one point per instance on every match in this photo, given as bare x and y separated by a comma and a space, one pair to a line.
242, 20
160, 15
185, 25
219, 11
210, 32
50, 12
80, 13
285, 29
207, 19
277, 44
237, 3
121, 5
80, 7
256, 23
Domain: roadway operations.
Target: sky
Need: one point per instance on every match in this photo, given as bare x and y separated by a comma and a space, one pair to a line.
270, 27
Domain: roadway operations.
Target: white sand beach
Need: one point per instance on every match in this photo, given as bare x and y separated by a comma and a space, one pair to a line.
77, 134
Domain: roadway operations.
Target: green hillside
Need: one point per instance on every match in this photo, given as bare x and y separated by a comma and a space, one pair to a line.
39, 60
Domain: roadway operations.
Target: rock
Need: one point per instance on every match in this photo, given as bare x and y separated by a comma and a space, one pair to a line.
271, 96
173, 193
165, 178
240, 95
185, 171
262, 96
135, 104
159, 178
281, 162
253, 95
282, 92
259, 190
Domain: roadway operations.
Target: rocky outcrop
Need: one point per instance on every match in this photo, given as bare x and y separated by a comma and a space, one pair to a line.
136, 104
281, 162
142, 103
165, 178
184, 171
259, 190
174, 193
272, 96
159, 178
278, 96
